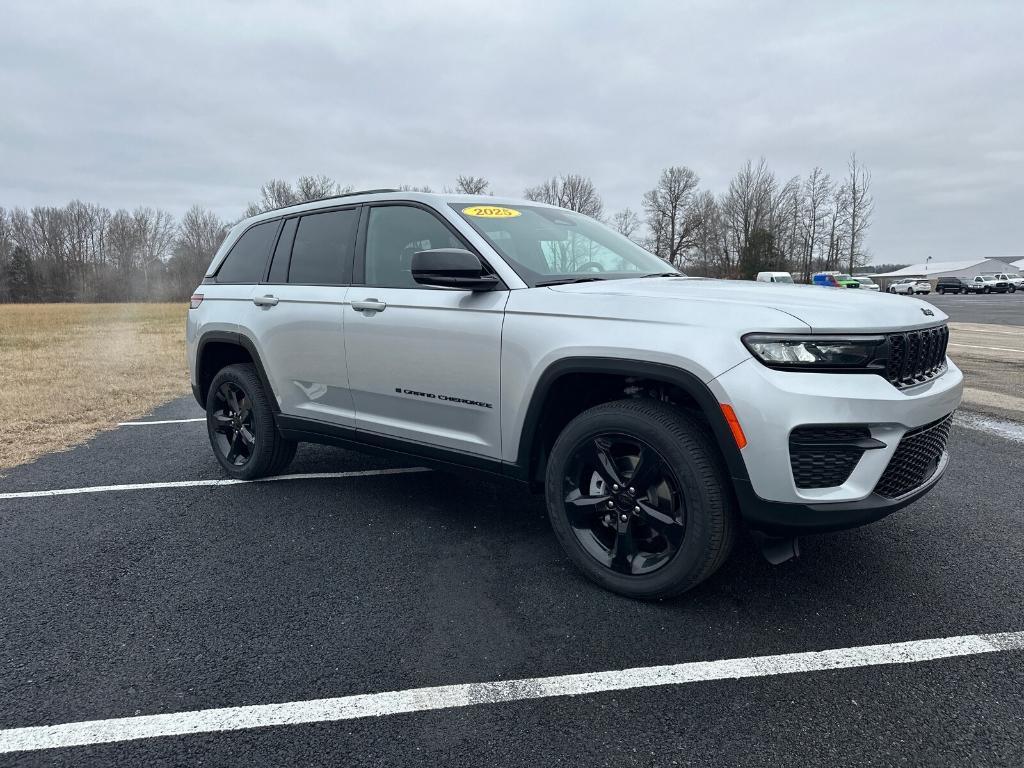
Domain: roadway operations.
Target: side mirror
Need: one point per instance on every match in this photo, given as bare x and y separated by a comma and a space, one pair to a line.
452, 268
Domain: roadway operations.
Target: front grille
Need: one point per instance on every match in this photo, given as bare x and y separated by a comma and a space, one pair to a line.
825, 456
916, 356
915, 460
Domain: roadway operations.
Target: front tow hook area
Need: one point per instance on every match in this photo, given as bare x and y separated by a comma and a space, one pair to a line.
779, 549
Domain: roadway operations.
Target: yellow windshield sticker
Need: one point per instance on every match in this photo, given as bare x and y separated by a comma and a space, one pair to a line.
490, 212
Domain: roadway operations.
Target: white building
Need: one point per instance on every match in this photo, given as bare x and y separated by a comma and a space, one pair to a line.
963, 269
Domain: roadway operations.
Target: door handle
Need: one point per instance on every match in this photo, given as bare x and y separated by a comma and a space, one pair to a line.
369, 305
265, 301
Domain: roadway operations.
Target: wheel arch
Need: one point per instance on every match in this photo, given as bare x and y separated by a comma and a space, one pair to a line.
217, 349
540, 421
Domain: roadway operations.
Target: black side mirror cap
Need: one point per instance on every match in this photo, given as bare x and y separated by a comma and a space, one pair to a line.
452, 268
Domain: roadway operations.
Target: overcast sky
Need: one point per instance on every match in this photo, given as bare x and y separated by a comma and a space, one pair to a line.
169, 104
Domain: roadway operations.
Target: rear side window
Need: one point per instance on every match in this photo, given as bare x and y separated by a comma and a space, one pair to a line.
248, 257
279, 266
322, 254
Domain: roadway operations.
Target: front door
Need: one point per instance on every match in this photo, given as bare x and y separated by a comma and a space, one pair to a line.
423, 362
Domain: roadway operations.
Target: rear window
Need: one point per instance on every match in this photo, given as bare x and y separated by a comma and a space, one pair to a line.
248, 257
322, 253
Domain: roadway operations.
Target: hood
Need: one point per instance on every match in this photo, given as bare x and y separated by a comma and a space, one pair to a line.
825, 310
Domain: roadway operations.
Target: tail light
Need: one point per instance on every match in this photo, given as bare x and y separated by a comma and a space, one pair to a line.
195, 301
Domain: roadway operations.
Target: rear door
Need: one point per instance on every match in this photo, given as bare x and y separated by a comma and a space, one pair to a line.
297, 319
423, 362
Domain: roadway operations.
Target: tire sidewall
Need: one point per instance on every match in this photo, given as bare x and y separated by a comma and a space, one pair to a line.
690, 560
263, 427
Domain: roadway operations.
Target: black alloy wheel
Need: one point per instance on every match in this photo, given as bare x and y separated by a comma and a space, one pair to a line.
624, 504
240, 423
233, 424
639, 497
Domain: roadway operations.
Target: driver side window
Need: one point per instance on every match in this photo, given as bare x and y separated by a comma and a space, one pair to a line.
393, 234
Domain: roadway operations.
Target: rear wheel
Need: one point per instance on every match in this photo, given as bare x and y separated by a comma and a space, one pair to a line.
638, 497
240, 423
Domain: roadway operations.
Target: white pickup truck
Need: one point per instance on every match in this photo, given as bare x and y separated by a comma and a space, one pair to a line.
989, 283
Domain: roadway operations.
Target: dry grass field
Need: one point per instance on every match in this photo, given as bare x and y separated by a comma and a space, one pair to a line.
70, 370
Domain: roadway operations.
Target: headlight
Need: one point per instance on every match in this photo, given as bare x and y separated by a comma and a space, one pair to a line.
817, 353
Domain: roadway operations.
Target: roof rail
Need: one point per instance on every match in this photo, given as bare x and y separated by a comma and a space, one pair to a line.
332, 197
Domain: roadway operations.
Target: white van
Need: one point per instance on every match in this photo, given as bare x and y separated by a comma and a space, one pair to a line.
774, 277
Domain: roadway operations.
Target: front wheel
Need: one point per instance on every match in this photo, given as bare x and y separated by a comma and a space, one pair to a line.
241, 426
639, 498
1012, 289
940, 291
986, 289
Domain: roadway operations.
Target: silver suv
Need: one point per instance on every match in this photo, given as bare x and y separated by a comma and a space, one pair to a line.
654, 411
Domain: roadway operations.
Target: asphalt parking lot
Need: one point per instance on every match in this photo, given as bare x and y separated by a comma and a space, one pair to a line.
993, 308
122, 603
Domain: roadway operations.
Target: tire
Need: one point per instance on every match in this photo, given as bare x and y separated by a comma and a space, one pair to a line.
964, 291
245, 439
1012, 289
986, 289
694, 523
941, 291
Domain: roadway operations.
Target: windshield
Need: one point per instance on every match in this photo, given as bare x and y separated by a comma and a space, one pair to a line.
843, 277
550, 245
783, 278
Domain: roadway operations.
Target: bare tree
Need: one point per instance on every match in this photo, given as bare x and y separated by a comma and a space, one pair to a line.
472, 185
668, 213
859, 207
278, 193
199, 236
572, 191
317, 187
6, 251
706, 238
626, 222
816, 191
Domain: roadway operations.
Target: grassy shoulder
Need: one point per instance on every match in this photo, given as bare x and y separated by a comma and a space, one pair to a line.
68, 371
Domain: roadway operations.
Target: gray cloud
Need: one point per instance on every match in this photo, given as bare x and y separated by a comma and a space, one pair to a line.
170, 104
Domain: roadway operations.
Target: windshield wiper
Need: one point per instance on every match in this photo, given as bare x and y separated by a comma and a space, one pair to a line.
567, 280
665, 274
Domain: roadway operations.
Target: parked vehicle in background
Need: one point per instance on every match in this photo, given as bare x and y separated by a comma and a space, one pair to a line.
909, 286
1014, 282
988, 284
826, 280
774, 277
950, 285
867, 283
846, 281
535, 343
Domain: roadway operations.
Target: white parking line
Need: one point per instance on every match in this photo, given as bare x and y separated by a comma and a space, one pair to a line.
993, 349
465, 695
165, 421
201, 483
1006, 429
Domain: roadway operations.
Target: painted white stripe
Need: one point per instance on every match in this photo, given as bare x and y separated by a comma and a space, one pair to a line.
465, 695
201, 483
992, 349
1006, 429
165, 421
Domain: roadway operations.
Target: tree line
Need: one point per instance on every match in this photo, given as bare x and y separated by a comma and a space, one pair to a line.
86, 252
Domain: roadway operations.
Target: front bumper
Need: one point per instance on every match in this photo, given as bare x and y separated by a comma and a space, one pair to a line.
769, 404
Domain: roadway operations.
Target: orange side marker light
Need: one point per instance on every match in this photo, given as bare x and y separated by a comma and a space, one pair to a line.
734, 425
